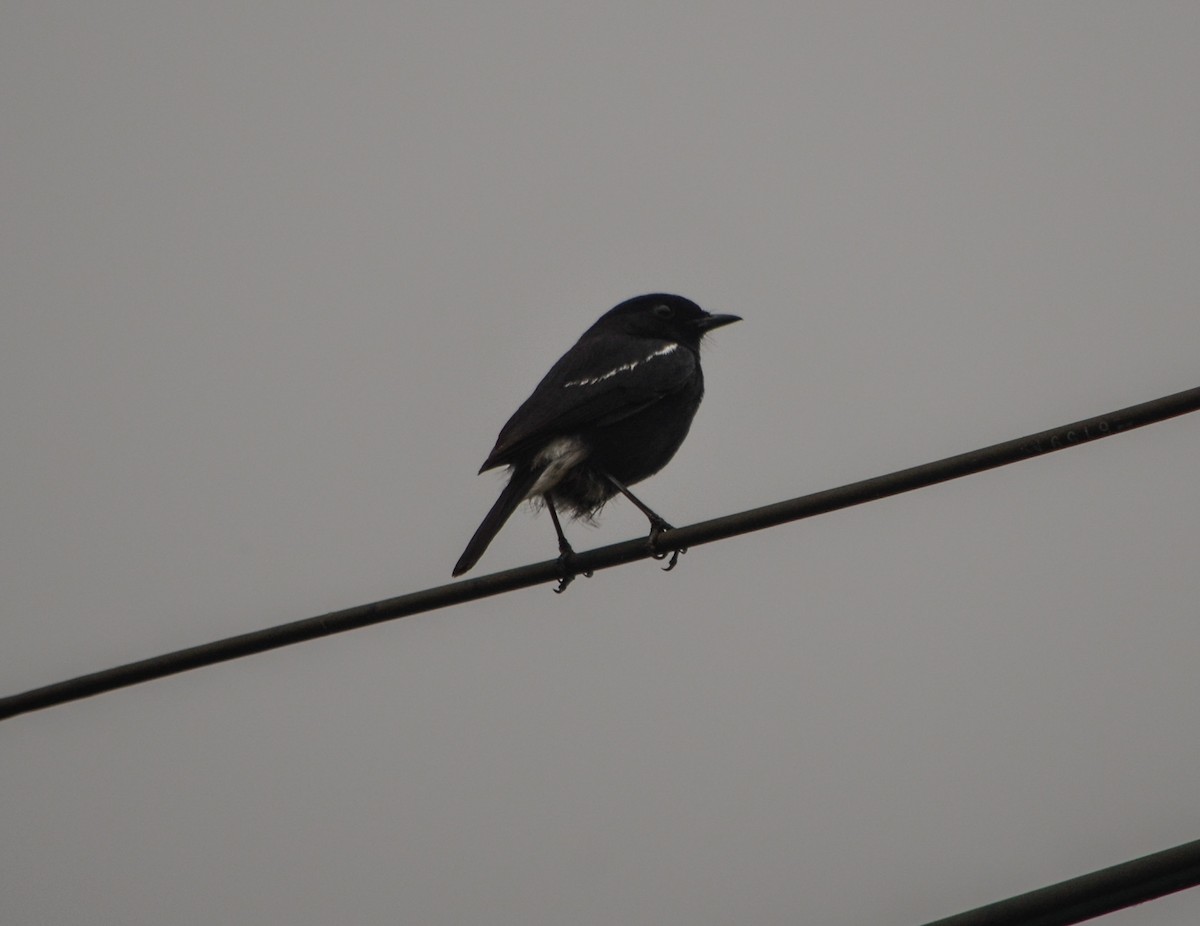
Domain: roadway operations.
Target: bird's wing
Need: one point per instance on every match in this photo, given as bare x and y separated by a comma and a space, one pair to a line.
594, 384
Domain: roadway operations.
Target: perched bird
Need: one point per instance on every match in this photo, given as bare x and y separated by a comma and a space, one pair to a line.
612, 411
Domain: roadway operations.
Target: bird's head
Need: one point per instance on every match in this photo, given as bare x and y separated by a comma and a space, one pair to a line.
663, 316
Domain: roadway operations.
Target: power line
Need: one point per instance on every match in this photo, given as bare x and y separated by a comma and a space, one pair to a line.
617, 554
1092, 895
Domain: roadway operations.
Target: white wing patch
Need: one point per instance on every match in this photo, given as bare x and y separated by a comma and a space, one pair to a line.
623, 368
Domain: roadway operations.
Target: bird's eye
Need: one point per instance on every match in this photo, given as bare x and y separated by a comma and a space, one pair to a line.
663, 311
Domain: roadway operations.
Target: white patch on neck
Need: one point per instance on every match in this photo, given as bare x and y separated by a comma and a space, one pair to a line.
623, 368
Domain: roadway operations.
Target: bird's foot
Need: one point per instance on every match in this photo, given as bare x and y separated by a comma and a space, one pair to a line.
657, 527
567, 570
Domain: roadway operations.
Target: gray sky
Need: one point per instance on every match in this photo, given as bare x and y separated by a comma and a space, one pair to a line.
274, 277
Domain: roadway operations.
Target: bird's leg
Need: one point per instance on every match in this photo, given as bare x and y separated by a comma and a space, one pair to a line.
565, 552
658, 524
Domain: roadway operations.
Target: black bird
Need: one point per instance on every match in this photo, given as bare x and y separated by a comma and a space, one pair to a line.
611, 412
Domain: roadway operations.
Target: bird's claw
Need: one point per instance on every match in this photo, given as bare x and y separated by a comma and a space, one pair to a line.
566, 560
657, 528
674, 561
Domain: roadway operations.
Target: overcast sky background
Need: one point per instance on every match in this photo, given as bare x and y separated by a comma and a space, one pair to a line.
273, 277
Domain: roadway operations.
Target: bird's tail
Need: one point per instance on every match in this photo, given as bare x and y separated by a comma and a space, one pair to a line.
523, 479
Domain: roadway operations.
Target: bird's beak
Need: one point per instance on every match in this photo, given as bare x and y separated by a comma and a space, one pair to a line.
709, 322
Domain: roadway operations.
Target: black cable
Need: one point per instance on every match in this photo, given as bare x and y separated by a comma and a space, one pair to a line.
604, 557
1092, 895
